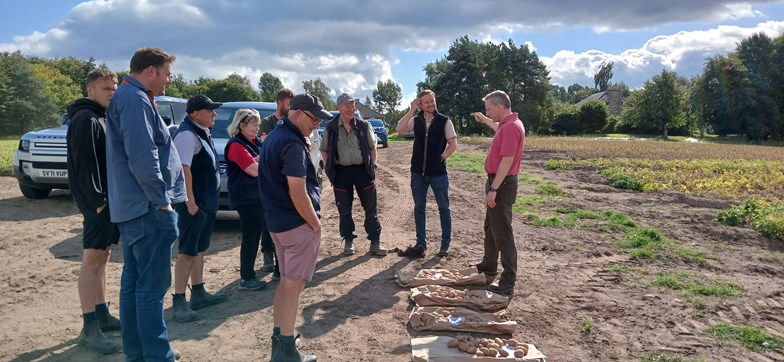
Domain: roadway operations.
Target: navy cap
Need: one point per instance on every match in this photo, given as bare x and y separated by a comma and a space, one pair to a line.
310, 103
200, 102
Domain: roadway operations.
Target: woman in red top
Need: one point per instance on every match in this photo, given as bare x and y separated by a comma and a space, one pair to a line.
242, 168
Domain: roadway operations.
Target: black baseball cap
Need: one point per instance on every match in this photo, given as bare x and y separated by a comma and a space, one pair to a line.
310, 103
200, 102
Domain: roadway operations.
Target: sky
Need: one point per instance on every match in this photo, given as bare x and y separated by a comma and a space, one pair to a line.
351, 45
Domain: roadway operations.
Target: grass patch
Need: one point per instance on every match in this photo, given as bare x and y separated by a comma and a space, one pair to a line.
529, 200
471, 162
688, 286
619, 219
587, 326
7, 149
548, 188
649, 244
772, 257
528, 178
557, 164
750, 337
625, 269
620, 178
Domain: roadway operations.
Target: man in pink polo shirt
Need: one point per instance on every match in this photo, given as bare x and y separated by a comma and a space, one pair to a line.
502, 166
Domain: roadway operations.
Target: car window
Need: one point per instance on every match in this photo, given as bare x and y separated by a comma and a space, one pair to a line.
223, 119
376, 122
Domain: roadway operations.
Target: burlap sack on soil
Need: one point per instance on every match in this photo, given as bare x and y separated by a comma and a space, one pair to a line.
435, 349
437, 295
460, 319
468, 276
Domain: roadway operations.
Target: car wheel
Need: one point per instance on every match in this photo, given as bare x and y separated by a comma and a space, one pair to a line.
386, 144
33, 192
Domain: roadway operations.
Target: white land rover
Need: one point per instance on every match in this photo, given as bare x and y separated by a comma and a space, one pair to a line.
40, 159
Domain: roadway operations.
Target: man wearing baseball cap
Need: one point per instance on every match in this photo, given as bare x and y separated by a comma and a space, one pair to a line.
349, 154
292, 201
196, 216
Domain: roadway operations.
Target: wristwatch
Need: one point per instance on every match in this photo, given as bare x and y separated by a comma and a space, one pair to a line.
491, 189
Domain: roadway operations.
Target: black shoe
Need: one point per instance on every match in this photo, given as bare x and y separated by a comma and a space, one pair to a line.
415, 252
252, 284
92, 338
348, 247
497, 289
202, 299
182, 312
108, 322
443, 253
288, 352
376, 248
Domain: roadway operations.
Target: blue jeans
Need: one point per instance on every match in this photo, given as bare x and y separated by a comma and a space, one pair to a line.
147, 250
440, 186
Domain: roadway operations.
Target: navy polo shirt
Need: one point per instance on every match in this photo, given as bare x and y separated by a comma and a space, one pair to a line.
284, 153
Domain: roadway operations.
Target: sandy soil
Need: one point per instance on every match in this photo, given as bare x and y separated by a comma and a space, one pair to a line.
354, 311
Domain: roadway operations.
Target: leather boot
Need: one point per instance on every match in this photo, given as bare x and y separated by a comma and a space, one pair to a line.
200, 298
108, 322
348, 247
288, 352
376, 248
269, 264
92, 338
182, 312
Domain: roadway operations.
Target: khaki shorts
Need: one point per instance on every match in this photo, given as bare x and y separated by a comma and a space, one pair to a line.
297, 251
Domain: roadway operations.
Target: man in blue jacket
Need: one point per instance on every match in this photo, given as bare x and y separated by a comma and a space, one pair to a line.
145, 179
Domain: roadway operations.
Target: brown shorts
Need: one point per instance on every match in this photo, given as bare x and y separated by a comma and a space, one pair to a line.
297, 251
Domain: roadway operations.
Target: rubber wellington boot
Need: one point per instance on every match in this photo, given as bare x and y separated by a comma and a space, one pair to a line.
348, 247
376, 248
108, 322
92, 338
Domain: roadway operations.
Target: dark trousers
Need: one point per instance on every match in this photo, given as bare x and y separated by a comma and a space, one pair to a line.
499, 236
251, 221
348, 178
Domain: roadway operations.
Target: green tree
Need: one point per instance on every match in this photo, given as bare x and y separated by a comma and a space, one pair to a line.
322, 91
72, 67
593, 116
269, 86
29, 106
758, 55
601, 79
179, 87
726, 93
386, 98
232, 88
59, 86
658, 106
578, 92
566, 120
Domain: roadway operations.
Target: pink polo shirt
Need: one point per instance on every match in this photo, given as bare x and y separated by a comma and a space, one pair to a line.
508, 141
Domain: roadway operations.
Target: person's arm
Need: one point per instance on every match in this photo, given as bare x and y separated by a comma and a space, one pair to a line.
324, 147
451, 139
240, 155
481, 118
299, 197
139, 126
404, 125
503, 169
191, 201
373, 143
187, 145
83, 138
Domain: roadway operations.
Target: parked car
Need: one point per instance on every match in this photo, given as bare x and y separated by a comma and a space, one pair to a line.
324, 122
381, 130
40, 158
220, 136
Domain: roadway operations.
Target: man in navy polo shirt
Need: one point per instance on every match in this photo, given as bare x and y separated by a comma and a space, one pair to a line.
291, 196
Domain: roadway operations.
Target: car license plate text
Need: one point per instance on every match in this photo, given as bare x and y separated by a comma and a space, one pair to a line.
54, 173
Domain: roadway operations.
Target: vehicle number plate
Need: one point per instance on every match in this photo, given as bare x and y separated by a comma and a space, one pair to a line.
54, 173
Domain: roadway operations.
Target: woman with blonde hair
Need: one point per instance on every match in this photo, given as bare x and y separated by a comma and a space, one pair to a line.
242, 167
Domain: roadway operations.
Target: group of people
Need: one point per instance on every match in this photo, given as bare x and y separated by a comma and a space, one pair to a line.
163, 187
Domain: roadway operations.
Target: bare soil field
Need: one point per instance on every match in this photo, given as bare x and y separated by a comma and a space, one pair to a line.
574, 300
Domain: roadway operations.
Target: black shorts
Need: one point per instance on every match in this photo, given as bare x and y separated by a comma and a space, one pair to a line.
99, 231
195, 230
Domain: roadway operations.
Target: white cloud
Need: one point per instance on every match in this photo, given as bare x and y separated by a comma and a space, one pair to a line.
683, 52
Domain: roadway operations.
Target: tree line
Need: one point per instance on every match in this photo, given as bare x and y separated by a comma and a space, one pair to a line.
741, 93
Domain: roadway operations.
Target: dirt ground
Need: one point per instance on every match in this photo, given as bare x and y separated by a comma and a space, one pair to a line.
354, 311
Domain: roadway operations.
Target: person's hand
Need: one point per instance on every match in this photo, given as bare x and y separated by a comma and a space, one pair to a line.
192, 207
100, 208
415, 104
479, 117
257, 158
168, 207
316, 228
490, 199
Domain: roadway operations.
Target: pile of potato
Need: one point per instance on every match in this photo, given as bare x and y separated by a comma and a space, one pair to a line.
443, 314
487, 347
450, 293
445, 274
